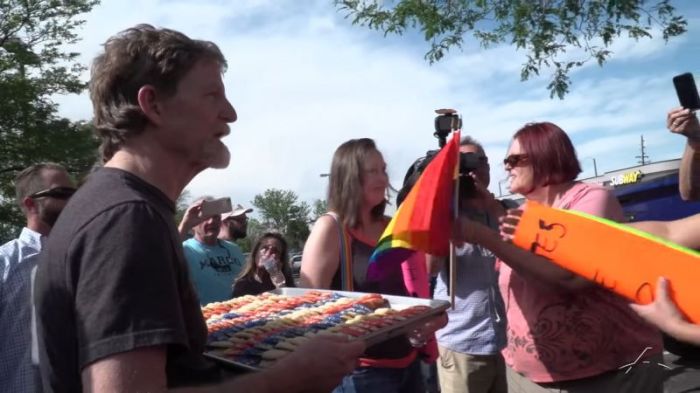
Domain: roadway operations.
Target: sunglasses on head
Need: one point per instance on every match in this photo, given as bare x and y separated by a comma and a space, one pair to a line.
56, 192
514, 160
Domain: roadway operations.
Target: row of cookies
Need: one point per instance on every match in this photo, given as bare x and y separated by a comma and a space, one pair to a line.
259, 340
259, 331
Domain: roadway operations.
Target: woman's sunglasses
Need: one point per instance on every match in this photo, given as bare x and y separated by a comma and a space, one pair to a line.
56, 192
514, 160
270, 248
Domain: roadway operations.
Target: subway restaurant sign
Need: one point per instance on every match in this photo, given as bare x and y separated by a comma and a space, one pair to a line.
626, 178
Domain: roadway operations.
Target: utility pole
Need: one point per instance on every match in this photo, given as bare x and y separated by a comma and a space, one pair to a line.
595, 165
595, 168
643, 158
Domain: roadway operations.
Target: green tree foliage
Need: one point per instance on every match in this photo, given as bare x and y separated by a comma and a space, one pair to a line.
545, 29
33, 66
282, 211
181, 204
320, 207
255, 230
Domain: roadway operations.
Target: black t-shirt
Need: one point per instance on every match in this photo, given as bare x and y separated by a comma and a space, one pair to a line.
250, 286
113, 278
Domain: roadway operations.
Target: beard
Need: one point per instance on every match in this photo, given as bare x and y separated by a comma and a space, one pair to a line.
239, 233
217, 155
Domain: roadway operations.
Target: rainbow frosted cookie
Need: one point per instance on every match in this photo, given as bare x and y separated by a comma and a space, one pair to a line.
258, 330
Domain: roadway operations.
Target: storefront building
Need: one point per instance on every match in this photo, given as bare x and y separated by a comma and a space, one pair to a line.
649, 192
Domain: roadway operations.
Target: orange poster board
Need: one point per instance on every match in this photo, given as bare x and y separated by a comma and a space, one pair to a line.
618, 257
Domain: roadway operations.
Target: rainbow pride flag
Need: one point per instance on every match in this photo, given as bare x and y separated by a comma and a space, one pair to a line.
423, 222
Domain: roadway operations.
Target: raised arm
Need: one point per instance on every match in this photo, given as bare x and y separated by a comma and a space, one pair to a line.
684, 122
321, 256
595, 201
684, 231
190, 219
522, 261
689, 174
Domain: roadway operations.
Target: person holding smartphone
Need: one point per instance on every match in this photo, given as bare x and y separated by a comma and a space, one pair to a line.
685, 122
214, 264
682, 120
682, 339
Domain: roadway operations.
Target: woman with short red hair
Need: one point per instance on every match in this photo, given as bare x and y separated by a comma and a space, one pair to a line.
565, 333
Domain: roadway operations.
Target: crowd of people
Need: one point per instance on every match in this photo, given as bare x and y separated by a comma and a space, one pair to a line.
102, 290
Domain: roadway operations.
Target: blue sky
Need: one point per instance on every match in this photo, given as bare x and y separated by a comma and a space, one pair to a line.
304, 80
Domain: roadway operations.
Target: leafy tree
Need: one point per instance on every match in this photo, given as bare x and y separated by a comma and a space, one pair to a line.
320, 207
297, 230
181, 204
255, 230
281, 211
545, 29
33, 66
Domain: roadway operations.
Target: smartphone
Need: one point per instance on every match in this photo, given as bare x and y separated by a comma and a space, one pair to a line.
687, 91
216, 206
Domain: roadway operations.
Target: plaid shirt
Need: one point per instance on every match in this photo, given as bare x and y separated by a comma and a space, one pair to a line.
476, 325
17, 260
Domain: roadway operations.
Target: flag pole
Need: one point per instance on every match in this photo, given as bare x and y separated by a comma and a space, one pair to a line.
452, 262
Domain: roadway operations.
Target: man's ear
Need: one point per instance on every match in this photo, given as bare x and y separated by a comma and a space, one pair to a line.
149, 104
29, 204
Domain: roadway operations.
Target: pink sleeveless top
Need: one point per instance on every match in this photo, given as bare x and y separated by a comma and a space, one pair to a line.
557, 336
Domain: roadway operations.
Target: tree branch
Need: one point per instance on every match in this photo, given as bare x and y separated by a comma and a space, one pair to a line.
15, 168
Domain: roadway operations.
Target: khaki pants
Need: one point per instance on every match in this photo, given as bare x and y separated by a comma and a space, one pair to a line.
463, 373
642, 378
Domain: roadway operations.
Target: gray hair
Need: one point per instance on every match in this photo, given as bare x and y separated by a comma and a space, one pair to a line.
469, 141
30, 179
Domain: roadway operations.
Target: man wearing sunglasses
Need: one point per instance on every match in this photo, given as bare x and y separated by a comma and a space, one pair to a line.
42, 191
234, 224
470, 344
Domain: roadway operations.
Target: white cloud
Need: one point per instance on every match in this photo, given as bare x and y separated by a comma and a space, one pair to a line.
303, 80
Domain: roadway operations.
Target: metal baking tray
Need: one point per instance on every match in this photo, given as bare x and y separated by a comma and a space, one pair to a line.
380, 335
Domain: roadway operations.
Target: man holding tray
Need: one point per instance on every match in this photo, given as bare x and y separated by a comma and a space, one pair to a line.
116, 309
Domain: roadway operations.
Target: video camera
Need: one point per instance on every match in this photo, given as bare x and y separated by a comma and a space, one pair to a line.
448, 120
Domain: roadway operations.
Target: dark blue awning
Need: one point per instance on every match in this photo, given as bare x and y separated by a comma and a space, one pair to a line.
646, 185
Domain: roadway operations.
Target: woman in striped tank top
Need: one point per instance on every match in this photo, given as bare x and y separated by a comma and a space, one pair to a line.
337, 253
